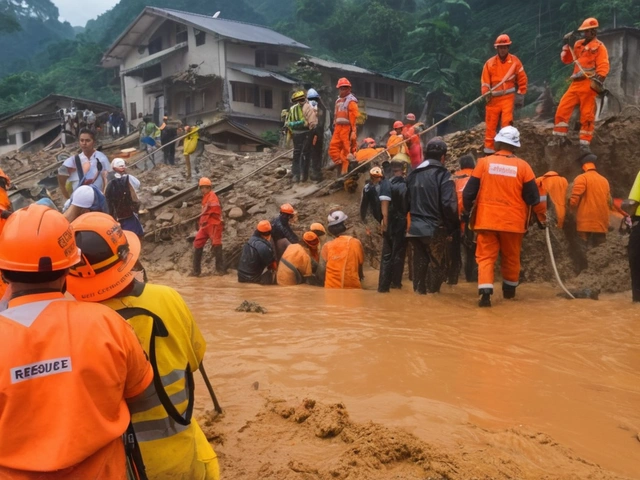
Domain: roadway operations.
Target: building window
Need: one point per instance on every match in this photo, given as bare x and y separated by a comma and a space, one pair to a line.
384, 92
26, 137
187, 105
155, 45
152, 72
201, 37
268, 98
133, 111
286, 103
367, 90
4, 138
181, 33
243, 92
266, 58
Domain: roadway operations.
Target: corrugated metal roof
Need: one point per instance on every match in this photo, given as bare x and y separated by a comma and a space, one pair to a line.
245, 32
261, 73
346, 68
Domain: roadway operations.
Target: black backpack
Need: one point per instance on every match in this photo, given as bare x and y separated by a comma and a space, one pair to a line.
121, 203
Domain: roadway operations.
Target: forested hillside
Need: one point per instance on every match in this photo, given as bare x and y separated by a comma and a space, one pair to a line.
441, 44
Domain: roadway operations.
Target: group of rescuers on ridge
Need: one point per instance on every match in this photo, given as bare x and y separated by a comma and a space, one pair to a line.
70, 281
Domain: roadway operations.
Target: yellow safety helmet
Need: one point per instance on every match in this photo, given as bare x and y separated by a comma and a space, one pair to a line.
299, 95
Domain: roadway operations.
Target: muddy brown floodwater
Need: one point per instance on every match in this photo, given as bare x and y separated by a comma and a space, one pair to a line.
540, 387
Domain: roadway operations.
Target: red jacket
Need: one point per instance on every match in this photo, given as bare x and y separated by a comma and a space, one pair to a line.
211, 210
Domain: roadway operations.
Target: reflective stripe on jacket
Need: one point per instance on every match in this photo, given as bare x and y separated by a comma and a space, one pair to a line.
494, 72
592, 57
346, 111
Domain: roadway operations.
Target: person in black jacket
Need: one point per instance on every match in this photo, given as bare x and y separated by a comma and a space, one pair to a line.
257, 260
371, 195
433, 206
394, 228
169, 134
283, 234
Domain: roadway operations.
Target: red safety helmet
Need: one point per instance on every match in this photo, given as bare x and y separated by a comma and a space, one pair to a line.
287, 208
502, 41
370, 142
343, 82
411, 117
588, 24
398, 124
204, 182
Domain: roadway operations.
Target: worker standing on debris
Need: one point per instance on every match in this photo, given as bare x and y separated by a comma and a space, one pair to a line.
283, 234
257, 260
632, 207
190, 145
87, 198
89, 167
556, 187
394, 228
211, 226
171, 441
433, 207
296, 265
590, 202
315, 147
342, 259
372, 194
503, 187
78, 362
591, 67
503, 75
410, 132
395, 137
167, 137
5, 184
465, 236
122, 198
151, 138
345, 133
301, 122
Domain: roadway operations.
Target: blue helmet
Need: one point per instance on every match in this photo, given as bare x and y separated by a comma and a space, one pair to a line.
312, 94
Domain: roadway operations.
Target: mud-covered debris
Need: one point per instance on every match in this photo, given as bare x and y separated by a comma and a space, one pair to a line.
251, 307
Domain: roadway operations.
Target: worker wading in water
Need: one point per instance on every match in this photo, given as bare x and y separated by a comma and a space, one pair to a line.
211, 226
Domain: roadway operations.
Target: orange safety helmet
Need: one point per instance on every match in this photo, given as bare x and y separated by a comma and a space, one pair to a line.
588, 24
376, 172
204, 182
502, 41
318, 229
108, 257
37, 239
369, 141
398, 124
343, 82
411, 117
264, 226
311, 239
287, 208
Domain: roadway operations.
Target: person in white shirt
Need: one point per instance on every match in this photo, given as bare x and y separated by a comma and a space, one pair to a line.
95, 166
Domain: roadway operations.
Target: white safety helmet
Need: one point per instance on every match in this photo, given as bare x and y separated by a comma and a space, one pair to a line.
336, 217
83, 197
312, 93
118, 163
509, 135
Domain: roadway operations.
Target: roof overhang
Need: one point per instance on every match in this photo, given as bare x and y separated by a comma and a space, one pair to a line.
346, 69
261, 73
129, 39
154, 59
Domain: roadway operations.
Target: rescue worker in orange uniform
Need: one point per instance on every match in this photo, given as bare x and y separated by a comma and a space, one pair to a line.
345, 133
395, 137
367, 150
320, 232
590, 70
555, 187
502, 186
5, 213
410, 133
171, 442
590, 202
297, 265
341, 260
465, 237
211, 226
503, 75
76, 364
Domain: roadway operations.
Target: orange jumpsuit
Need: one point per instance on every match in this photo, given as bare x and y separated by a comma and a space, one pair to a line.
343, 141
210, 222
591, 199
367, 153
500, 105
394, 139
5, 203
414, 146
501, 215
594, 59
556, 188
343, 257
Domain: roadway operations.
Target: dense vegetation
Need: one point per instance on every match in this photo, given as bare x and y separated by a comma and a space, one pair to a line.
441, 44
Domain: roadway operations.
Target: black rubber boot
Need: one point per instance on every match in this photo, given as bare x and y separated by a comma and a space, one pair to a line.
485, 299
508, 291
197, 263
217, 252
